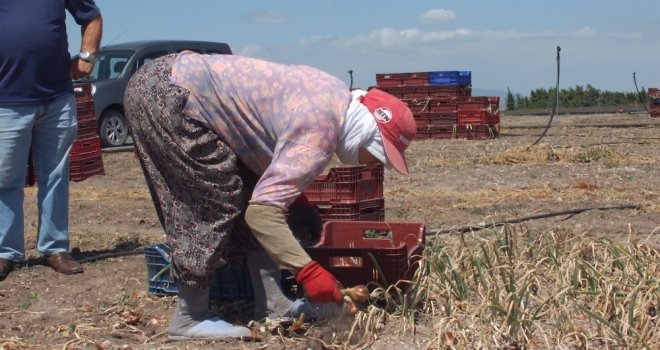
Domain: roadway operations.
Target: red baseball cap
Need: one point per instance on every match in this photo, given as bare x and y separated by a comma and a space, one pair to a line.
396, 124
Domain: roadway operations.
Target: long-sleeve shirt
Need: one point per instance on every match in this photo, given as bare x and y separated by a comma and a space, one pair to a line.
282, 121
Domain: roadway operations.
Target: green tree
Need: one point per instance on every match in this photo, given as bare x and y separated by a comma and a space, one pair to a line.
578, 96
510, 101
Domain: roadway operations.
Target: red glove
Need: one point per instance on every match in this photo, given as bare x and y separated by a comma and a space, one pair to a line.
319, 284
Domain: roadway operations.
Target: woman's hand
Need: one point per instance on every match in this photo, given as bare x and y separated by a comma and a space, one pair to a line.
320, 285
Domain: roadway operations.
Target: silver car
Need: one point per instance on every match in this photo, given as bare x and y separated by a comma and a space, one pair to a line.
115, 64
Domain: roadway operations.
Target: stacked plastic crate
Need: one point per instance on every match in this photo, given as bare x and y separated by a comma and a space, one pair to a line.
349, 194
478, 118
443, 105
357, 246
654, 102
86, 158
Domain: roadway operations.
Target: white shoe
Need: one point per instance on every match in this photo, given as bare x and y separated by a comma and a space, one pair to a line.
213, 329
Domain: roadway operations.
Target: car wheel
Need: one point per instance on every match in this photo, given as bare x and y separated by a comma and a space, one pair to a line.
112, 128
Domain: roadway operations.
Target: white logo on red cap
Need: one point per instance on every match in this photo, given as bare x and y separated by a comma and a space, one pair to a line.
383, 115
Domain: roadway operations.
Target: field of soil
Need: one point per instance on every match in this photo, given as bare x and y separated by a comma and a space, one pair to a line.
586, 180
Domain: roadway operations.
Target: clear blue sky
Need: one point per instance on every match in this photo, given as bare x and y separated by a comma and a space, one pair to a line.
504, 43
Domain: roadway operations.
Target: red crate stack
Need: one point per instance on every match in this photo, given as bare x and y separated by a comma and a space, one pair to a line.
86, 158
349, 193
415, 79
443, 105
478, 117
654, 102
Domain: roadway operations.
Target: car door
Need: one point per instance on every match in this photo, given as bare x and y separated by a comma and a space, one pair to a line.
145, 56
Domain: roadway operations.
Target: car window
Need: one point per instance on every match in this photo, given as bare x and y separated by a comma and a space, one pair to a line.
109, 64
148, 58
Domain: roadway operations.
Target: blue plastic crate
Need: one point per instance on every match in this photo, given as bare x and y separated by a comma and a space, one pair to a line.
463, 77
232, 282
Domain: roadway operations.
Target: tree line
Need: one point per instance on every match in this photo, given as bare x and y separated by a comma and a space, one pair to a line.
577, 96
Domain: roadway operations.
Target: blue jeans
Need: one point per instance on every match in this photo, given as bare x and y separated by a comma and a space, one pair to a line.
50, 129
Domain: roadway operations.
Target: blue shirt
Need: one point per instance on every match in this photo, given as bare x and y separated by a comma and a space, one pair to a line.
34, 48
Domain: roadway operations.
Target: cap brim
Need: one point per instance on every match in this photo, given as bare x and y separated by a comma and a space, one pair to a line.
395, 157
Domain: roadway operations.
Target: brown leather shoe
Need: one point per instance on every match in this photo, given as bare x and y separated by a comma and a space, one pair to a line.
6, 266
63, 263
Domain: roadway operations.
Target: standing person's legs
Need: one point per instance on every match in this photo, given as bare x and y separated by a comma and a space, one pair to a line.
15, 137
52, 138
197, 192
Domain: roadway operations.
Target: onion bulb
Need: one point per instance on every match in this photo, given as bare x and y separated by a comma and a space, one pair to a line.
358, 294
350, 307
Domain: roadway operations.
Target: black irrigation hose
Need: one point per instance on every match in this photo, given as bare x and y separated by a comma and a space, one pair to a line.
554, 110
111, 255
533, 217
639, 95
351, 73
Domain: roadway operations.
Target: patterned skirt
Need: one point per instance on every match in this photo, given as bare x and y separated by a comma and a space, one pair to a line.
199, 188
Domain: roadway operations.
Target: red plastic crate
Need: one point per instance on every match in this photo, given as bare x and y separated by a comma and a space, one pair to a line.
442, 134
87, 130
421, 135
434, 118
442, 128
475, 132
466, 117
347, 185
654, 93
448, 91
415, 95
388, 80
85, 111
444, 104
83, 92
473, 103
356, 252
492, 119
415, 79
445, 108
85, 149
84, 169
655, 111
370, 210
417, 105
421, 123
422, 126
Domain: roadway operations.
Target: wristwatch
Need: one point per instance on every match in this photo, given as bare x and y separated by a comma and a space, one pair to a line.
86, 56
